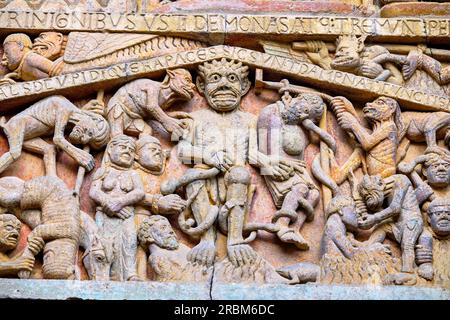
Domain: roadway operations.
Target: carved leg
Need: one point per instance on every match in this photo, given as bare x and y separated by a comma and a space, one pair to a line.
204, 252
379, 234
237, 182
15, 133
129, 249
116, 125
433, 127
288, 231
424, 255
146, 131
339, 174
411, 232
48, 150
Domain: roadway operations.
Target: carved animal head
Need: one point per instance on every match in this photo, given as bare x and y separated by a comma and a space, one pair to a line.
150, 155
382, 109
436, 169
9, 232
348, 50
15, 46
180, 83
371, 189
90, 128
345, 207
157, 229
50, 45
97, 259
439, 216
223, 83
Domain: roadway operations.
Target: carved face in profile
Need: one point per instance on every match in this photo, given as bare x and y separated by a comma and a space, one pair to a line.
121, 151
439, 217
437, 172
49, 45
180, 82
347, 53
12, 55
90, 128
82, 132
150, 154
9, 232
371, 190
157, 229
223, 83
380, 109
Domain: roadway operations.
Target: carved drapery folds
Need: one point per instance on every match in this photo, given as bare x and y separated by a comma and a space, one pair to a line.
149, 148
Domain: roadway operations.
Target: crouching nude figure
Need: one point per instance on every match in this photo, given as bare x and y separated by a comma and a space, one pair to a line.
59, 225
116, 189
51, 116
401, 219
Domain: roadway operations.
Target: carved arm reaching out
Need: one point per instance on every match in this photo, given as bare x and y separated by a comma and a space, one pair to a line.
367, 139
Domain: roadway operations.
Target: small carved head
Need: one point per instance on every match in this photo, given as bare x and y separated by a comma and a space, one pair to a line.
157, 229
371, 189
15, 46
439, 216
348, 49
150, 155
437, 169
223, 83
381, 109
90, 128
9, 232
306, 106
180, 83
121, 150
50, 45
345, 207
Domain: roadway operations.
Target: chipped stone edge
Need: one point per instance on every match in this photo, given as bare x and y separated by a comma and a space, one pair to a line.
101, 290
326, 292
150, 290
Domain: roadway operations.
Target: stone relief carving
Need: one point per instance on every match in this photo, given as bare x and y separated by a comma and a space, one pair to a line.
305, 179
116, 188
53, 53
144, 98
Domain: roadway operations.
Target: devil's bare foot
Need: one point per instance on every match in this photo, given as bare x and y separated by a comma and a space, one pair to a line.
203, 253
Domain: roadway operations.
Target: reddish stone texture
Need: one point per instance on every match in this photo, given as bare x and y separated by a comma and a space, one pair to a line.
415, 9
251, 6
262, 209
